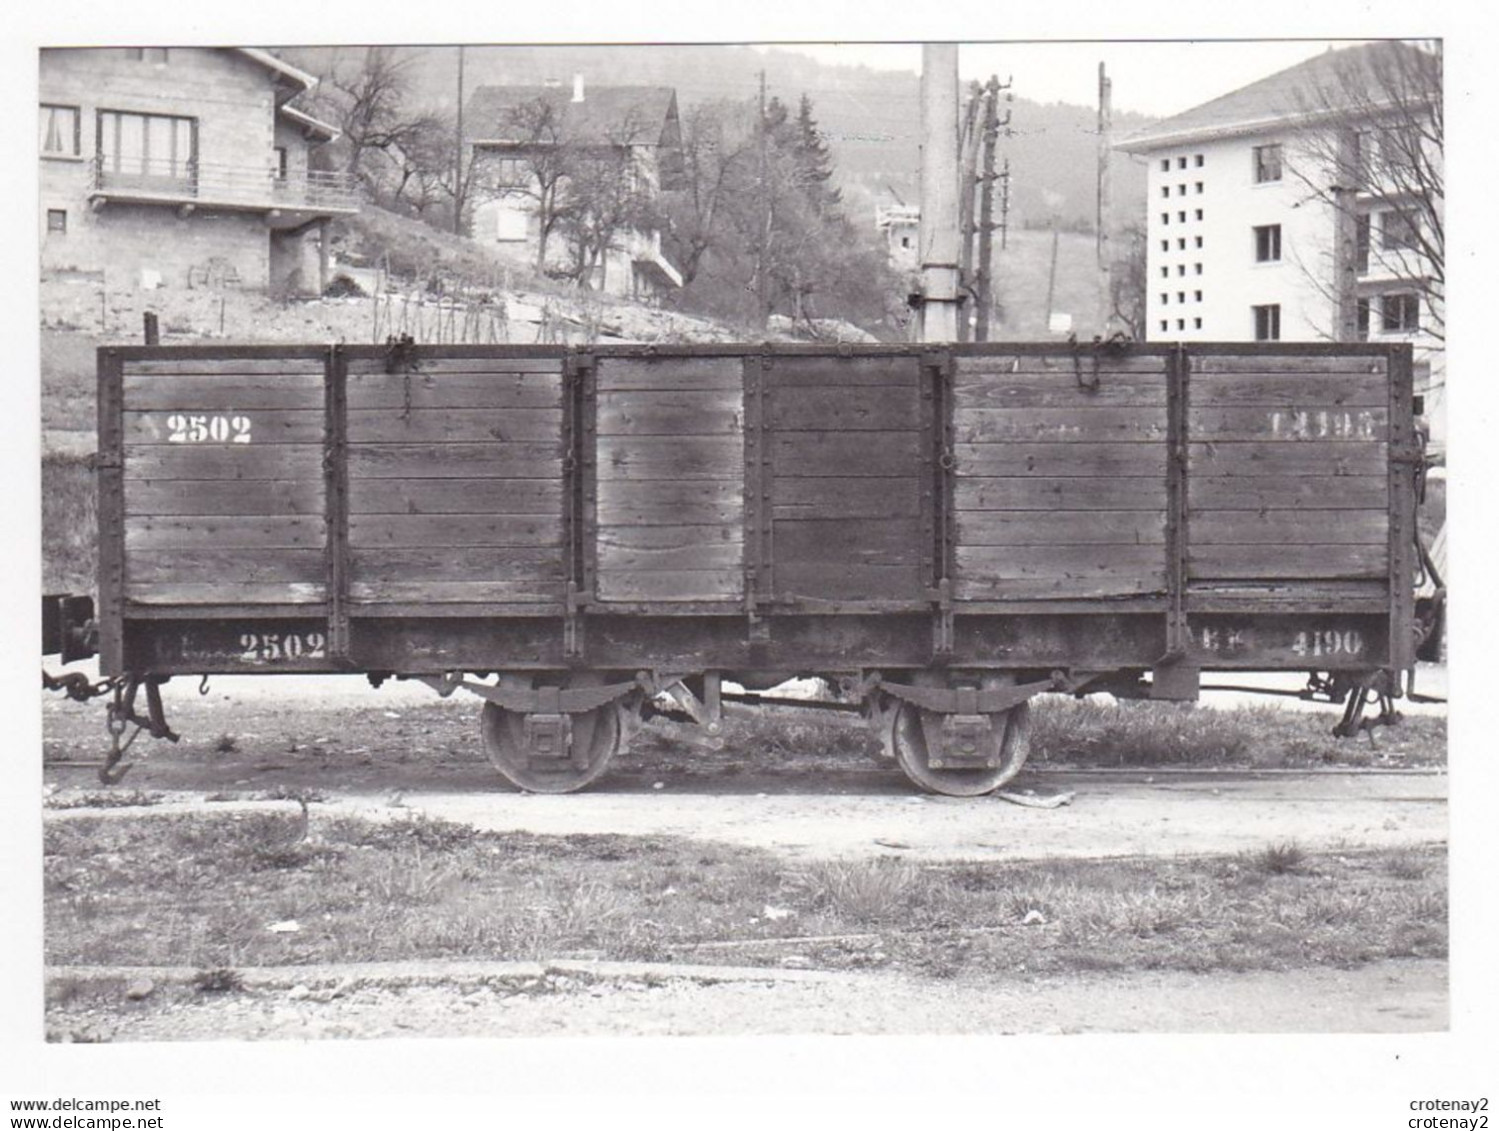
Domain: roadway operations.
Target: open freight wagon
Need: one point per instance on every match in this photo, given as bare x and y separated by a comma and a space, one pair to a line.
584, 538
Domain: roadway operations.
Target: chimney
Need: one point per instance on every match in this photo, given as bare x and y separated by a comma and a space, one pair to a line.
577, 88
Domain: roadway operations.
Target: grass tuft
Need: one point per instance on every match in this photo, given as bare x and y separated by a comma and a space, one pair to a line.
219, 980
1281, 859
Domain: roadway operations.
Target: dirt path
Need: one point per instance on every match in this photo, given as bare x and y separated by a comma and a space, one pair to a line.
1404, 996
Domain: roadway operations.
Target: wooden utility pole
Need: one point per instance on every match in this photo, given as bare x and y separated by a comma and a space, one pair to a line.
1004, 207
1105, 198
985, 279
939, 192
968, 181
458, 190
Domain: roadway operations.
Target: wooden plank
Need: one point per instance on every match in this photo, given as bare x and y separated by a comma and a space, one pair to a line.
219, 368
1291, 423
224, 531
1311, 363
1323, 390
456, 461
987, 389
438, 530
445, 366
425, 592
1283, 459
1059, 571
1060, 460
495, 390
845, 455
1140, 493
815, 407
670, 458
849, 543
654, 548
677, 412
616, 373
842, 373
237, 426
230, 592
198, 392
223, 497
828, 497
447, 563
1062, 528
667, 503
827, 581
456, 496
671, 585
445, 426
1290, 527
1062, 363
252, 565
1271, 562
224, 462
1060, 425
1327, 492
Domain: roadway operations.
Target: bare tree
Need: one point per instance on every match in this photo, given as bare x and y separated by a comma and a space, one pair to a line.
533, 167
1127, 282
1372, 151
366, 97
604, 193
717, 157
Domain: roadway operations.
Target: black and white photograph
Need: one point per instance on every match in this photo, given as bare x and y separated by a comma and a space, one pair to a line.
922, 549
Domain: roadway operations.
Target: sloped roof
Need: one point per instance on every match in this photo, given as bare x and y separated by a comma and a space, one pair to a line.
1284, 96
598, 118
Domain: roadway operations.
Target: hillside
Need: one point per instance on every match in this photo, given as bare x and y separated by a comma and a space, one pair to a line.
871, 117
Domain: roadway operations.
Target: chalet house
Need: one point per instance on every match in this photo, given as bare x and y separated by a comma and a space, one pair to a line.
183, 166
531, 150
1290, 209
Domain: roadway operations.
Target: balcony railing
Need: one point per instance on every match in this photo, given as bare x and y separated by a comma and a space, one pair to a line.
246, 186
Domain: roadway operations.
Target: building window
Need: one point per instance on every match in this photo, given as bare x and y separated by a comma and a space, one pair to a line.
1400, 149
1165, 271
1199, 213
1199, 242
1197, 323
1400, 313
147, 150
57, 221
511, 224
281, 162
1267, 323
58, 127
1181, 244
1267, 243
1397, 230
1266, 163
147, 54
1363, 319
1181, 296
1196, 296
1165, 190
1165, 298
1181, 162
1181, 190
1199, 186
1181, 217
1181, 268
1165, 168
1165, 217
1181, 323
1197, 268
1198, 160
1361, 243
1165, 245
1163, 325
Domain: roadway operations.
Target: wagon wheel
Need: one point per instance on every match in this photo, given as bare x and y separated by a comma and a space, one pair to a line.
596, 736
1009, 736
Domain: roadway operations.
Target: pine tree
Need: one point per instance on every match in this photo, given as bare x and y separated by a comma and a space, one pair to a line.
814, 163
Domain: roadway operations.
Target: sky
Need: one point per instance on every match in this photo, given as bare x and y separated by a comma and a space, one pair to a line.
1158, 78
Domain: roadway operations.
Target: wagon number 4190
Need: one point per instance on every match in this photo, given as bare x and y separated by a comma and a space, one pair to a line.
185, 429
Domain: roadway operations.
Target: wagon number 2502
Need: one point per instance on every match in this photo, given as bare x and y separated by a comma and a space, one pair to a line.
185, 429
260, 647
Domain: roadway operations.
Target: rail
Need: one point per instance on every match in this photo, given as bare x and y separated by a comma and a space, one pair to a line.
244, 185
